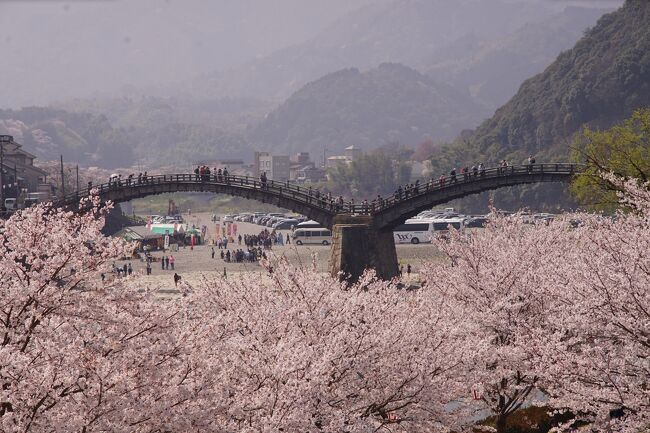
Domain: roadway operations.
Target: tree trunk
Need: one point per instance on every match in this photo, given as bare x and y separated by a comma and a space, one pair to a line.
501, 423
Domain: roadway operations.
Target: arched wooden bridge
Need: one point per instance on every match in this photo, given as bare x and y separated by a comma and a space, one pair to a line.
368, 226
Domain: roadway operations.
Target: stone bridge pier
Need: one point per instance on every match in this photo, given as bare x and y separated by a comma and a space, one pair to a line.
358, 245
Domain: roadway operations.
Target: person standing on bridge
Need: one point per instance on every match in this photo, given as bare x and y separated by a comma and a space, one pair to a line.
504, 166
481, 169
263, 179
225, 175
452, 175
531, 161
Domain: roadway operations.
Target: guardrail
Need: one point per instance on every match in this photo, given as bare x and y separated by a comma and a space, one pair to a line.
446, 182
316, 199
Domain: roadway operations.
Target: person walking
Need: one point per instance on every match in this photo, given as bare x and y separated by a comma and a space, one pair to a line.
170, 261
130, 269
263, 180
177, 278
213, 252
148, 267
408, 269
288, 239
162, 263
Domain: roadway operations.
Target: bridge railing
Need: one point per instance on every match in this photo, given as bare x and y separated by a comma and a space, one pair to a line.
303, 194
316, 199
449, 181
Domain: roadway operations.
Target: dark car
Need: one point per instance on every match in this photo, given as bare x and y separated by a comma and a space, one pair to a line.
476, 222
285, 224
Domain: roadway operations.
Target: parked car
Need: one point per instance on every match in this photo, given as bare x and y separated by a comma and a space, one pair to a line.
285, 224
309, 225
476, 222
228, 218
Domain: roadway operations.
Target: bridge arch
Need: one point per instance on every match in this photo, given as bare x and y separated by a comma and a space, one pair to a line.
395, 211
281, 194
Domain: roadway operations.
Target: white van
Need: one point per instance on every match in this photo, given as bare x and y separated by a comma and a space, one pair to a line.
312, 236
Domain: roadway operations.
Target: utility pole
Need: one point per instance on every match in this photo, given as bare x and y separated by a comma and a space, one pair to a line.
16, 183
62, 179
77, 178
324, 157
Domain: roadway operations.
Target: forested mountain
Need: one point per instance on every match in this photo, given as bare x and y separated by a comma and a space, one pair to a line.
391, 103
599, 82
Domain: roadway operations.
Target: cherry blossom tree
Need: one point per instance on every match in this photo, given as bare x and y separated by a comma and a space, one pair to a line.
296, 351
302, 352
495, 280
555, 312
80, 355
600, 353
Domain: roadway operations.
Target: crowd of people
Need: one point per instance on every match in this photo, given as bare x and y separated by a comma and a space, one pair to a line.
240, 255
203, 173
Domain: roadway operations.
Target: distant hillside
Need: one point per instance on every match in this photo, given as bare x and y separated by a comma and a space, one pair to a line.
391, 103
152, 132
400, 31
492, 70
599, 82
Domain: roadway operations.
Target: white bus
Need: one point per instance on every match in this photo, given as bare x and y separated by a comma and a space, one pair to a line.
320, 236
417, 231
413, 231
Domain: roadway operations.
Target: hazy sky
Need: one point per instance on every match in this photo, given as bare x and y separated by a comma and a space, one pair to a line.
79, 46
61, 49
